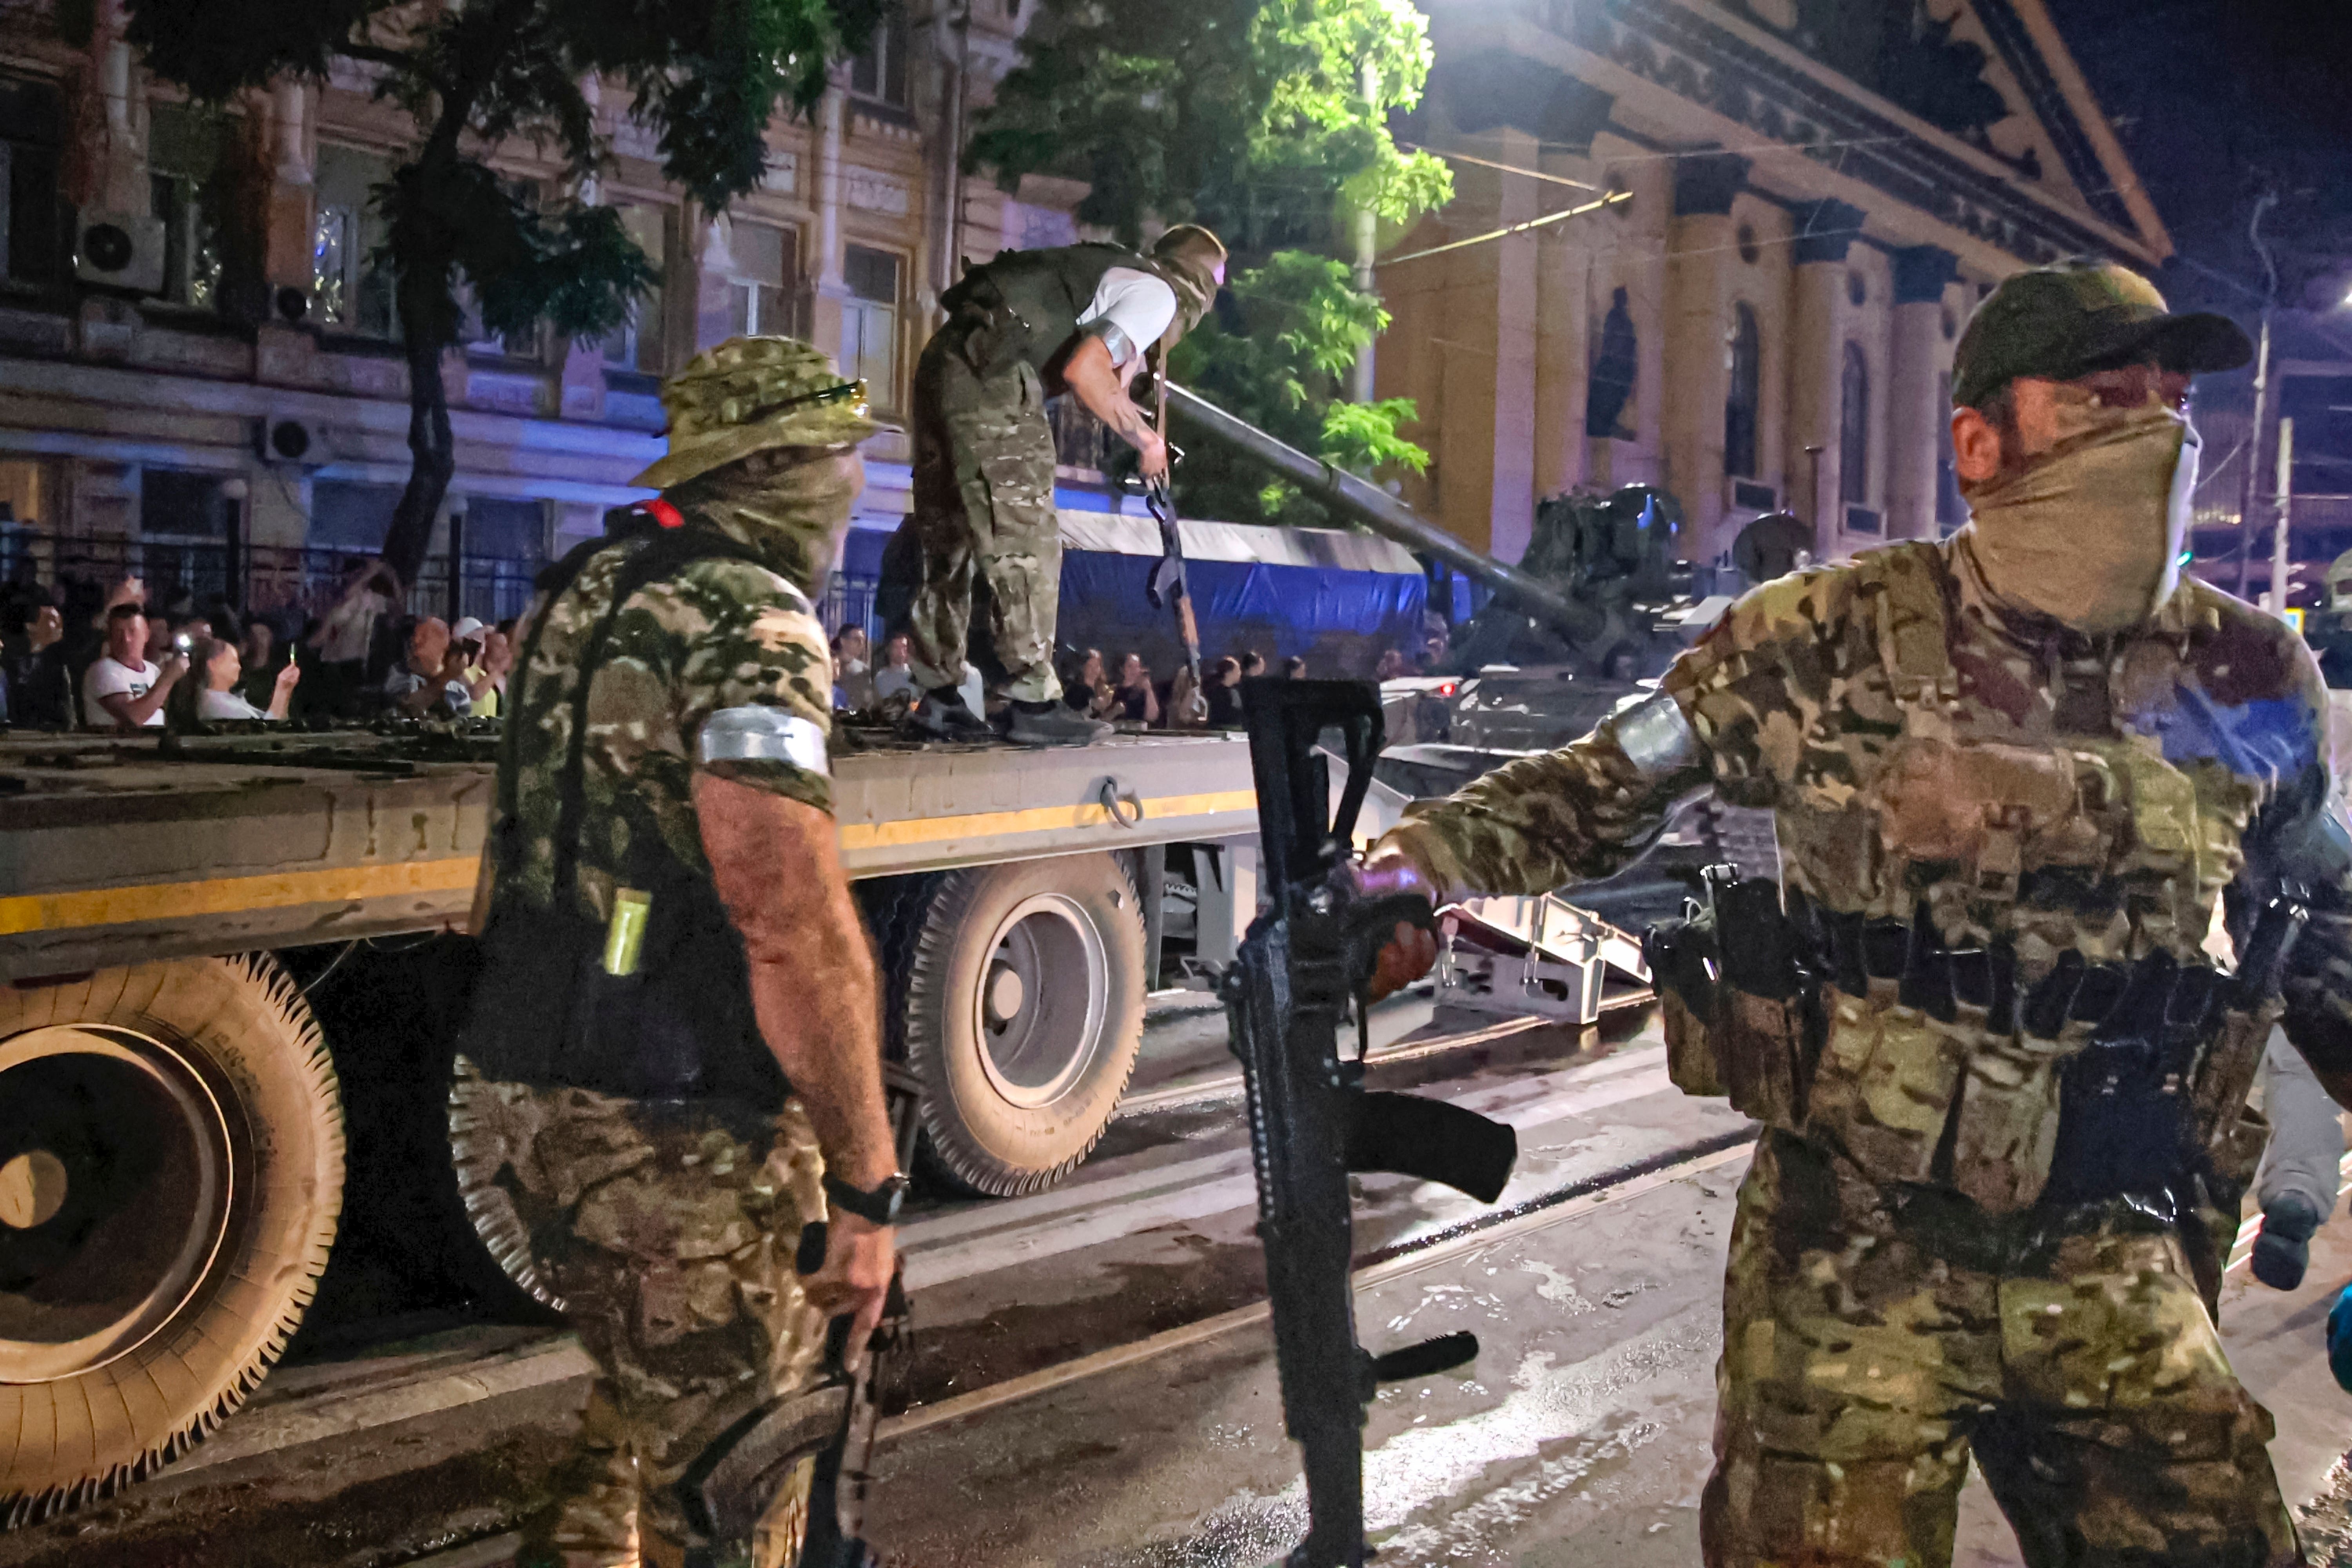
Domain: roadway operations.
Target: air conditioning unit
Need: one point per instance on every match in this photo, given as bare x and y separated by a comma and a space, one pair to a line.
121, 251
1863, 520
1747, 495
286, 438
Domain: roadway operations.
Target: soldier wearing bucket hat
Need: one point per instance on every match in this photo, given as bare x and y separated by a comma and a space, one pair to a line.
2013, 775
1030, 323
676, 1032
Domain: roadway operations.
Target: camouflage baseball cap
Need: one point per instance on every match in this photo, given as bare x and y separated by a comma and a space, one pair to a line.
2082, 315
748, 395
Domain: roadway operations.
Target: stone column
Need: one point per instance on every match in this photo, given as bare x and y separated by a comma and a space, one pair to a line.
292, 169
1700, 249
1484, 411
828, 288
1826, 229
1913, 392
1563, 309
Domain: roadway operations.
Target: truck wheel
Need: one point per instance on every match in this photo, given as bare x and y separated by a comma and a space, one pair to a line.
1022, 1004
171, 1172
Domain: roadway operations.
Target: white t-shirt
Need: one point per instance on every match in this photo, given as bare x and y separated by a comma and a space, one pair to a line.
107, 677
225, 705
1139, 305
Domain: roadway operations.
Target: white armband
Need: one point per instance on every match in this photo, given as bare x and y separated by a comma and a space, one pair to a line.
763, 734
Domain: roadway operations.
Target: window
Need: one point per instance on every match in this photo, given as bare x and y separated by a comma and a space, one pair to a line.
185, 150
869, 322
1739, 406
175, 504
1853, 429
638, 345
502, 530
879, 74
347, 516
1609, 391
351, 287
763, 275
32, 210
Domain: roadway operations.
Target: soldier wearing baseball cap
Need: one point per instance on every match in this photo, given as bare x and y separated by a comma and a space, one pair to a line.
2012, 774
2060, 322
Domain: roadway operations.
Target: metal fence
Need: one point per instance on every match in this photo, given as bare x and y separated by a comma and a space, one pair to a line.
272, 578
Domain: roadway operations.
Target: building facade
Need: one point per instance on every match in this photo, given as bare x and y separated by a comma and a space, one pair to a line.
1811, 196
199, 372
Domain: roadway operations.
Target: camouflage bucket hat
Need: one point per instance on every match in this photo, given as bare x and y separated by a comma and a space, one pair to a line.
2067, 321
748, 395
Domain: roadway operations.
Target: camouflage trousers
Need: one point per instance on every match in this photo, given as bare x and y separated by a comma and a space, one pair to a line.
983, 481
1862, 1365
667, 1233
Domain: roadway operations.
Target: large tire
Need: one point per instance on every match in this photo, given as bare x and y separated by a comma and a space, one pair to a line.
1019, 990
170, 1173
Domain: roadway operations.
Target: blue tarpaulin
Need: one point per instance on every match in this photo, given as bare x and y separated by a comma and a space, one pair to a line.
1337, 598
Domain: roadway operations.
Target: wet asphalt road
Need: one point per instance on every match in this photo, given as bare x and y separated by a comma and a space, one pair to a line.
1579, 1436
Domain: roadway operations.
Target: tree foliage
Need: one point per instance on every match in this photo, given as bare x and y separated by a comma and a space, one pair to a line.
704, 76
1251, 116
1276, 356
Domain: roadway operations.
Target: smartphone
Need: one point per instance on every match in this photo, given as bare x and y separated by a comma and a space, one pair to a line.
185, 643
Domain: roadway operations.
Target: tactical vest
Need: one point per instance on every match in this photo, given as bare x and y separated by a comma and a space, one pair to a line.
1869, 1036
1023, 307
544, 1009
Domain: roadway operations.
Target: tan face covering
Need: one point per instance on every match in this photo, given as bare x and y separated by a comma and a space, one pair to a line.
791, 511
2090, 532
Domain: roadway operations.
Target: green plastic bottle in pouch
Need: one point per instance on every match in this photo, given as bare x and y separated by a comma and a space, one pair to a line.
625, 936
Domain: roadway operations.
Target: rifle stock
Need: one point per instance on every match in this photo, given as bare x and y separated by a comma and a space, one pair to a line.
1311, 1121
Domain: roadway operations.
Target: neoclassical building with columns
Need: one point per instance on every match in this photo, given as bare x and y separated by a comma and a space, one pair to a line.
1814, 195
199, 376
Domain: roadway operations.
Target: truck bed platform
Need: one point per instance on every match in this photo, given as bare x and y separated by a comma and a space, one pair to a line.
116, 851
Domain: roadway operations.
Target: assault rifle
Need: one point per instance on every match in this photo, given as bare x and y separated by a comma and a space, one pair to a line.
1311, 1119
729, 1486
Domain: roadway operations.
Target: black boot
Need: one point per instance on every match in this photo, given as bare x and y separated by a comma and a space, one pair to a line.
1053, 724
2283, 1250
942, 715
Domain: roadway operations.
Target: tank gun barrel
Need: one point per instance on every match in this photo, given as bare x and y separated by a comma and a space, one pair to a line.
1383, 514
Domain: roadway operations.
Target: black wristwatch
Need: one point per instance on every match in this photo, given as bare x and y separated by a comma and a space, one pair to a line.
879, 1206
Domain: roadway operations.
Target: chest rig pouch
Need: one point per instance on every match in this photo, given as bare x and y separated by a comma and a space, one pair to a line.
544, 1009
1741, 1007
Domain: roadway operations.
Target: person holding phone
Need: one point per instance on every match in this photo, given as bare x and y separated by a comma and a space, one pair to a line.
122, 690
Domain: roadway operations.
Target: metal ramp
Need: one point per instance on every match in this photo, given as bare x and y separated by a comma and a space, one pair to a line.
1537, 956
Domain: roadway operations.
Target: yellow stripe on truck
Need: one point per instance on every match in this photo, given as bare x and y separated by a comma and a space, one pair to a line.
355, 884
859, 835
230, 895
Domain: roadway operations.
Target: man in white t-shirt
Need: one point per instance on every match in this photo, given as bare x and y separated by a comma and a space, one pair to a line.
1027, 326
121, 690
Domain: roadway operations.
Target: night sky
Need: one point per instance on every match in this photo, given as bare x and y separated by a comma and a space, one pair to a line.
2210, 97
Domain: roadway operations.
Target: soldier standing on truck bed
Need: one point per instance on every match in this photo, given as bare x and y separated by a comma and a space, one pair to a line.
1025, 326
670, 926
2004, 1088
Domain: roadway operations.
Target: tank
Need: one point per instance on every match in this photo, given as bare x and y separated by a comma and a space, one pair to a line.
1594, 613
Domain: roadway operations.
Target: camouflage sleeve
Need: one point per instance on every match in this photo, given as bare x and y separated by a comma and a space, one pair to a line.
1586, 811
2298, 845
738, 638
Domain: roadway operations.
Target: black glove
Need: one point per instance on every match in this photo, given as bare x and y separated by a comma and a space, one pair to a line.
2283, 1250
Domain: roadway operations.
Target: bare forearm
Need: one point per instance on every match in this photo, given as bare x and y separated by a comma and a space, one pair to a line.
1096, 381
813, 983
823, 1024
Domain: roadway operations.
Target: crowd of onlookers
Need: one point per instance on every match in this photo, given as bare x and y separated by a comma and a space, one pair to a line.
94, 656
1136, 696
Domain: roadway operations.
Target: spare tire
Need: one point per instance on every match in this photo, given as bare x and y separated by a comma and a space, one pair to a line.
170, 1173
1019, 989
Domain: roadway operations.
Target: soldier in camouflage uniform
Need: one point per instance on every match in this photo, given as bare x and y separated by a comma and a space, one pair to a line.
2034, 749
1024, 327
652, 1166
